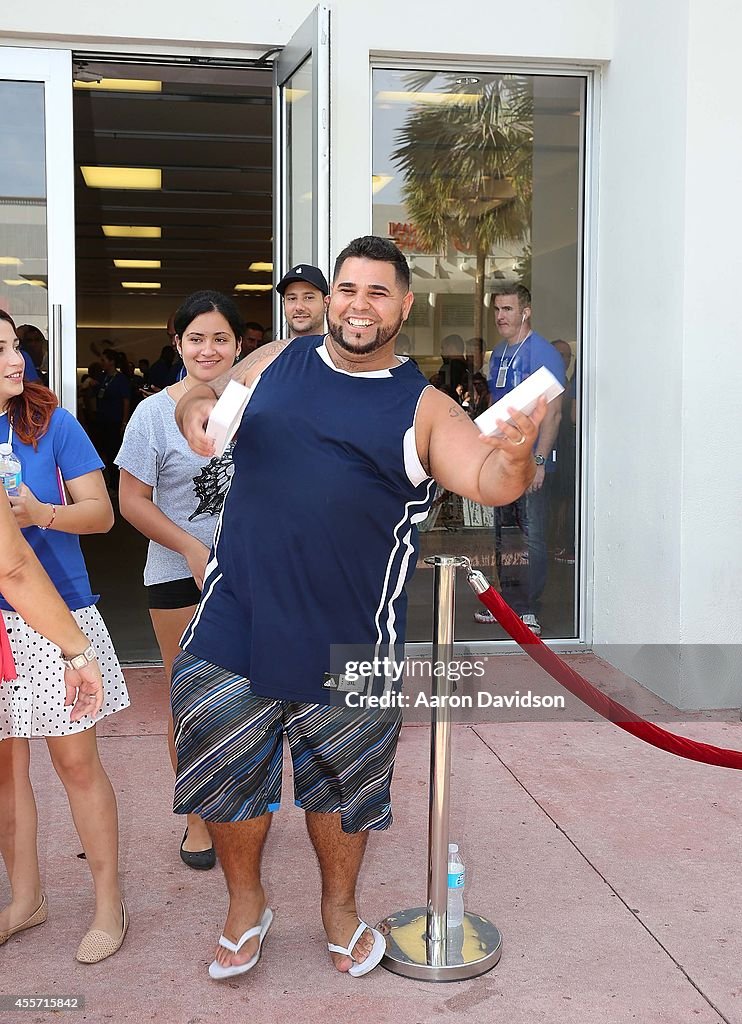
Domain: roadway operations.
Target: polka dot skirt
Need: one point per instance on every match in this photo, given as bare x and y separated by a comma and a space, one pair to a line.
33, 704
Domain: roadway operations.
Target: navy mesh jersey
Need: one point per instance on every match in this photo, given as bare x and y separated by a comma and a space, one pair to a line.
317, 537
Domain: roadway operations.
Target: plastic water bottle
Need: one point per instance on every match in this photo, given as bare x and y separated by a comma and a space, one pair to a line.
456, 880
10, 470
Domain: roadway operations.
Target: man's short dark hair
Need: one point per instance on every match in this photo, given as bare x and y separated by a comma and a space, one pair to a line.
519, 291
373, 247
29, 333
253, 325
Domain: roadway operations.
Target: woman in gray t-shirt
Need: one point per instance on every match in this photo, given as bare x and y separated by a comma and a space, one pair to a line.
174, 496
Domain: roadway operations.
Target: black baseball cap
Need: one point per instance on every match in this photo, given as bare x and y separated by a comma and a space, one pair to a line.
303, 272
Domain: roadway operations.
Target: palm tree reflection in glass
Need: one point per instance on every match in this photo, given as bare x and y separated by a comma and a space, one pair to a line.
468, 167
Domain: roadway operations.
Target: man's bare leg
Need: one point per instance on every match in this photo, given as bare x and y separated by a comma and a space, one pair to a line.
340, 855
239, 847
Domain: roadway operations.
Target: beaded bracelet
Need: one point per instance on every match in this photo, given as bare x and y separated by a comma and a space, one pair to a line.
54, 516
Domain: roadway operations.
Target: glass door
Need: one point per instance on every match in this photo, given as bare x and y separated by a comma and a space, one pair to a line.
37, 226
302, 148
496, 261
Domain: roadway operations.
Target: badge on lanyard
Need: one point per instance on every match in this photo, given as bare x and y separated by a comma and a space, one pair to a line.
502, 373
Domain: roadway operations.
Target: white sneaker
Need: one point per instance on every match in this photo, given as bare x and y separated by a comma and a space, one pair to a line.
486, 617
532, 622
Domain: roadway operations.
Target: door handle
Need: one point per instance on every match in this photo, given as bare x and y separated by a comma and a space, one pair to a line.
55, 351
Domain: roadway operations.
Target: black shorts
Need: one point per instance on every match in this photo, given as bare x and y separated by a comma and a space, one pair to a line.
173, 594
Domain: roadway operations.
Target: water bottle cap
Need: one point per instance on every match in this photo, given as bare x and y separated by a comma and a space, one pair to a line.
6, 449
452, 847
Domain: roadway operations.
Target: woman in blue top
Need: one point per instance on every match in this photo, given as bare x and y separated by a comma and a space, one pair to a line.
52, 447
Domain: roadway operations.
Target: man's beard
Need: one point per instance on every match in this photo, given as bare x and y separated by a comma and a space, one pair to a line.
383, 336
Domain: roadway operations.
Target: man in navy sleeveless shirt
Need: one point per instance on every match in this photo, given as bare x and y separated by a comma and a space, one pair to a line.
336, 459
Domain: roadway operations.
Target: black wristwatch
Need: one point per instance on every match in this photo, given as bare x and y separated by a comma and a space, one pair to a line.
539, 460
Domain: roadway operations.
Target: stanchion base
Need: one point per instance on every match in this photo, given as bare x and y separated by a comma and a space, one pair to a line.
472, 949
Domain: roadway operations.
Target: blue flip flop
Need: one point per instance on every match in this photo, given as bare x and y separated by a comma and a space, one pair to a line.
215, 968
378, 949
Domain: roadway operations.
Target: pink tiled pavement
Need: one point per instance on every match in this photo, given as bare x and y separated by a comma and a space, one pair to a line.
611, 869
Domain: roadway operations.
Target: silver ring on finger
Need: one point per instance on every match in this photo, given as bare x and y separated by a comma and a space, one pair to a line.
522, 440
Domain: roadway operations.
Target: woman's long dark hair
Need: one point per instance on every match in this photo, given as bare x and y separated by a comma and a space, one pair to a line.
208, 302
30, 412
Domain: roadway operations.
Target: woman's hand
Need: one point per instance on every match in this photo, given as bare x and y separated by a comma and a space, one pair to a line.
28, 510
83, 689
197, 556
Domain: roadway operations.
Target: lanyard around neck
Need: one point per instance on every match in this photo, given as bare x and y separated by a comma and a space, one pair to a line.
502, 373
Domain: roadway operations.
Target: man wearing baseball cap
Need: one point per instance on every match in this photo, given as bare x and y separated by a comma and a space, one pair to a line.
303, 290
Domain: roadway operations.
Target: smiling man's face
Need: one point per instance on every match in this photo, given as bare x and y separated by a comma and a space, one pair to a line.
367, 306
304, 308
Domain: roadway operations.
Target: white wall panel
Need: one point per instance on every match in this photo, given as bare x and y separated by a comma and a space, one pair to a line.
711, 537
569, 30
638, 394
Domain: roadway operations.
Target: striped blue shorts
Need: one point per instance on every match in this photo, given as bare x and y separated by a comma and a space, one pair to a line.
229, 743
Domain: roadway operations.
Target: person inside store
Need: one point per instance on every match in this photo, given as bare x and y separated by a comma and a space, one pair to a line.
87, 399
253, 333
303, 290
143, 367
33, 350
112, 409
336, 460
161, 370
480, 399
454, 371
520, 353
52, 447
174, 497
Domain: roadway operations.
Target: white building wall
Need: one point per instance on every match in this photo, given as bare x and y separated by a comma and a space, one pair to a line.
711, 527
637, 402
668, 531
575, 29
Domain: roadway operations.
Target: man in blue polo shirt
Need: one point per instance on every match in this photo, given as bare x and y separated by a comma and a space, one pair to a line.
521, 352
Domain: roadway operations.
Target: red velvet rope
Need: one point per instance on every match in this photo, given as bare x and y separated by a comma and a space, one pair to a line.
600, 702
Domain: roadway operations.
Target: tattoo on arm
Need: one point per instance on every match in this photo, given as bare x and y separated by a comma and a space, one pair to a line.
258, 359
455, 411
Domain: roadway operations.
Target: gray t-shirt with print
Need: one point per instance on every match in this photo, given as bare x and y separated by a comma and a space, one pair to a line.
189, 489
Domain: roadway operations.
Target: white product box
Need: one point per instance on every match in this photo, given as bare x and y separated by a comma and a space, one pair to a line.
227, 414
524, 398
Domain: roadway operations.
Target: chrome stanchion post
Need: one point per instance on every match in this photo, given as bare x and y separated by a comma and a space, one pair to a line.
444, 607
417, 939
